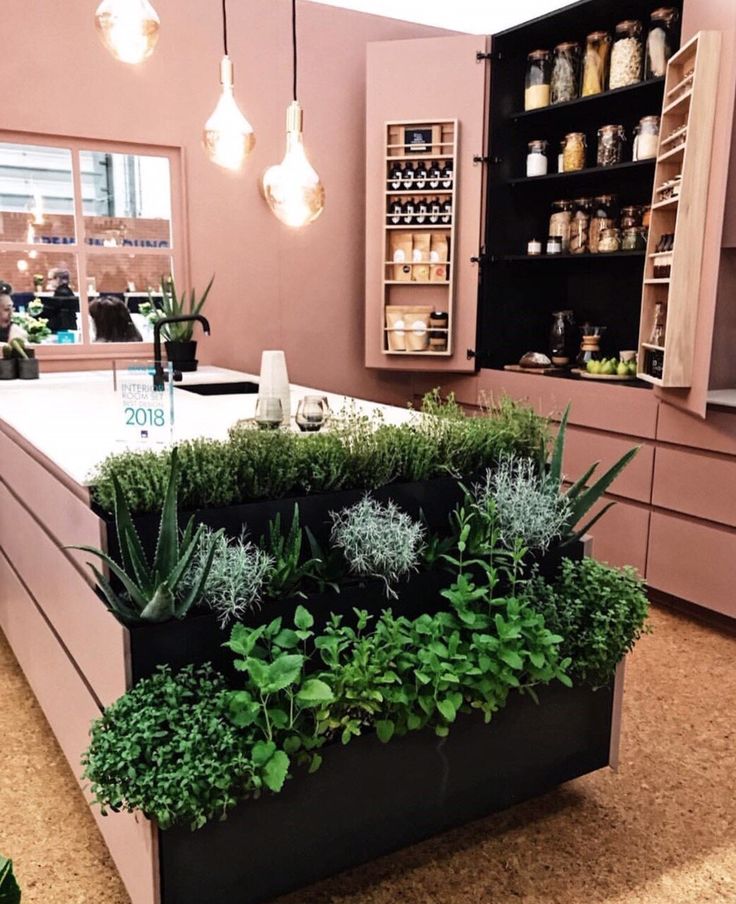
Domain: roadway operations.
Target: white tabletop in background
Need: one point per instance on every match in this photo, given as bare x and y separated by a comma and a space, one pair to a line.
74, 418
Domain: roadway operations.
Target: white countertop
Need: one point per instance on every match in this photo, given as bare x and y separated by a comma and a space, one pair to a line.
74, 418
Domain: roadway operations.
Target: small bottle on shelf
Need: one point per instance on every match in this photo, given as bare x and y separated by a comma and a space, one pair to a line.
394, 176
446, 217
435, 211
658, 329
394, 212
408, 212
434, 175
447, 175
422, 211
407, 176
420, 177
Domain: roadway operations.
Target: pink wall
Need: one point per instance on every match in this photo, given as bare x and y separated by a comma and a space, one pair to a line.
301, 291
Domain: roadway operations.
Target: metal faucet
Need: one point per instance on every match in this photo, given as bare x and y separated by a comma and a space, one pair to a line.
159, 377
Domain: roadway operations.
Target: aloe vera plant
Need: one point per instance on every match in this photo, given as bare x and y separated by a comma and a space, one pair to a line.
581, 496
9, 890
150, 590
174, 305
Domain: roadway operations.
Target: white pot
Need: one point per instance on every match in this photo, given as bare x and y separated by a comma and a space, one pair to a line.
274, 380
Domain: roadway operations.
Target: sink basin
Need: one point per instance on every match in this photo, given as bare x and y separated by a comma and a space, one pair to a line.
242, 388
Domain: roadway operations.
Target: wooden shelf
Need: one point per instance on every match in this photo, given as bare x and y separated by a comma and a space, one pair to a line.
428, 353
617, 168
670, 202
414, 263
672, 155
651, 85
675, 104
419, 191
682, 288
613, 255
420, 227
429, 156
415, 282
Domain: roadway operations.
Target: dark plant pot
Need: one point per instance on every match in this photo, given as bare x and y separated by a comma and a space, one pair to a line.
28, 368
199, 638
369, 798
8, 368
183, 355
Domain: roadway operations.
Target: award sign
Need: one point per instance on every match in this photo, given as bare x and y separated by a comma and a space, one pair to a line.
147, 413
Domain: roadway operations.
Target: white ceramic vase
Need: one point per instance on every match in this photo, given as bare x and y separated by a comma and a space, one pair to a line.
274, 380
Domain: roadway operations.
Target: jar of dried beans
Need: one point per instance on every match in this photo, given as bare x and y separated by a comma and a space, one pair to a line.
627, 54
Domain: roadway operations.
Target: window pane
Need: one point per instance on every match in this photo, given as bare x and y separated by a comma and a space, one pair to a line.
128, 279
126, 199
36, 194
53, 302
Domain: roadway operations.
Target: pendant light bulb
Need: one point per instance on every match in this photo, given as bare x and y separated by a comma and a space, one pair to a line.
128, 28
228, 136
292, 188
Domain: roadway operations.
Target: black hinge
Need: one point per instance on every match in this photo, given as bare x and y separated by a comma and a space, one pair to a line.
480, 158
470, 353
480, 259
481, 56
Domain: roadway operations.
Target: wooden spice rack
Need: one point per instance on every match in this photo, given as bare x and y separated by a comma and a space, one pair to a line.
690, 100
403, 144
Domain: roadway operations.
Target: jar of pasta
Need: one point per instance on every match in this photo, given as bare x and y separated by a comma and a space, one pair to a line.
573, 155
565, 77
596, 63
627, 54
610, 241
580, 227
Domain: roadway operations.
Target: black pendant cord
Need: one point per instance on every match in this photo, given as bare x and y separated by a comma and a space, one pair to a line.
293, 39
224, 25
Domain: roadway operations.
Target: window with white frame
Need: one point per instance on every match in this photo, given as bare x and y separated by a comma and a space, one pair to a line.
86, 235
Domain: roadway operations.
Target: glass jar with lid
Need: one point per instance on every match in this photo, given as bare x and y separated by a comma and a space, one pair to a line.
565, 76
536, 159
537, 82
573, 154
633, 239
559, 222
630, 216
609, 241
580, 227
661, 40
646, 138
610, 145
627, 54
596, 63
602, 217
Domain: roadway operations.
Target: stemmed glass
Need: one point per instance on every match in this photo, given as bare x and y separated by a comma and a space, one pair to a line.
311, 413
269, 412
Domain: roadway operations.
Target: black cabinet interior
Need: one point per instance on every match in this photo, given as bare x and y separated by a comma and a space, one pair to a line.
519, 294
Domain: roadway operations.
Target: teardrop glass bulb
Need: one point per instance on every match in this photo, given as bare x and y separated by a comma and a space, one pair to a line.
128, 28
228, 136
292, 188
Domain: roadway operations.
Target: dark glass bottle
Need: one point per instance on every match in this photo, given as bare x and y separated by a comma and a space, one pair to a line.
409, 210
435, 211
447, 175
407, 176
446, 217
560, 342
394, 212
422, 211
420, 177
394, 176
434, 176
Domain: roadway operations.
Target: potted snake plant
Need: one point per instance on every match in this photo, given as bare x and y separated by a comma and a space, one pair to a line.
18, 360
181, 349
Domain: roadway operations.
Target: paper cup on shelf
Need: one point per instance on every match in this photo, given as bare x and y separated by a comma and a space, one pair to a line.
274, 380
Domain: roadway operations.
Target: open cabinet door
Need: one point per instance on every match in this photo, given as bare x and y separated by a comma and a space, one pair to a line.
432, 88
714, 364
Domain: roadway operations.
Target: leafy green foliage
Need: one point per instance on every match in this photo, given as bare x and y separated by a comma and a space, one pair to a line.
581, 496
9, 889
167, 748
378, 540
150, 590
174, 305
600, 612
358, 452
290, 568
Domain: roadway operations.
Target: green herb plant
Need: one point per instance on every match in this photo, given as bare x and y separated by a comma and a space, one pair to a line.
599, 611
292, 567
9, 889
150, 591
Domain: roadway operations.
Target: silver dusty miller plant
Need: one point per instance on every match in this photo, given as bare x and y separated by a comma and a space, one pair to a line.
236, 578
528, 506
378, 540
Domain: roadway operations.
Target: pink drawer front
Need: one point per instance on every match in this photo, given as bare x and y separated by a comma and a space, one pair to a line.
695, 483
717, 433
620, 537
693, 561
583, 447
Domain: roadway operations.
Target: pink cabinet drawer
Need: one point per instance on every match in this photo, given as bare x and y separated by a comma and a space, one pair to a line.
583, 447
695, 483
717, 433
693, 561
620, 537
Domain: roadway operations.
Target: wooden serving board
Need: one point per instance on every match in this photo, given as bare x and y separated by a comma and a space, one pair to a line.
517, 368
587, 376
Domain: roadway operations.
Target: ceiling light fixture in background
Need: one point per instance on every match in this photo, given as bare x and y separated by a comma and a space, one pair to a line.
292, 188
128, 28
228, 136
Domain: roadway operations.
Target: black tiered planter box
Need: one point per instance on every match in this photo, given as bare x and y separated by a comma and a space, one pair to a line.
369, 798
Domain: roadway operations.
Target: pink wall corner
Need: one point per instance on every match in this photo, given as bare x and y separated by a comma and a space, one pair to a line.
301, 291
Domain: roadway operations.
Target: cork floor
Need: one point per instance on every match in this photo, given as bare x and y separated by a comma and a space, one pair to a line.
660, 831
